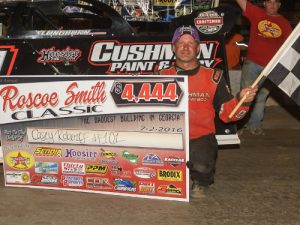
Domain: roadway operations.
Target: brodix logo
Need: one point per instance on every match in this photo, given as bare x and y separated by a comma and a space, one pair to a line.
144, 58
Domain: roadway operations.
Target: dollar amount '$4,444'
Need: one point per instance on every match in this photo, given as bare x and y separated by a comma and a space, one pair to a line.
149, 91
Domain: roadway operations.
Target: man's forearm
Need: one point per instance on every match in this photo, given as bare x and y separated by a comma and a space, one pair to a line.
242, 4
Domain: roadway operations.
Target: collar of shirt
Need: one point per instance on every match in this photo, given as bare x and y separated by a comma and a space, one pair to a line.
181, 71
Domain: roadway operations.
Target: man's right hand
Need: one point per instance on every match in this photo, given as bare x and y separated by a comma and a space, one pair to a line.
249, 94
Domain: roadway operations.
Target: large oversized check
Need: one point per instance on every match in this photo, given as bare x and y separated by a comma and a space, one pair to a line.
121, 135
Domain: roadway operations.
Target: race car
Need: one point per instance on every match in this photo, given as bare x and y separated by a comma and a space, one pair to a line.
89, 37
48, 37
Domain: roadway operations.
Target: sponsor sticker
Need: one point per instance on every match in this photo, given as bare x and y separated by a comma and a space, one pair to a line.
46, 167
109, 156
124, 185
146, 187
19, 160
79, 154
169, 189
144, 172
130, 157
17, 177
174, 161
52, 54
98, 183
92, 168
73, 168
170, 175
241, 114
72, 181
44, 179
119, 171
209, 22
47, 152
152, 159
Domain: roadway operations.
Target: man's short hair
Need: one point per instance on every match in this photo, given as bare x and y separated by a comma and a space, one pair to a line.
185, 30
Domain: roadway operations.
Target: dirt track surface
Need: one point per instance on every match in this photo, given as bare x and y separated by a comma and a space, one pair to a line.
258, 183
